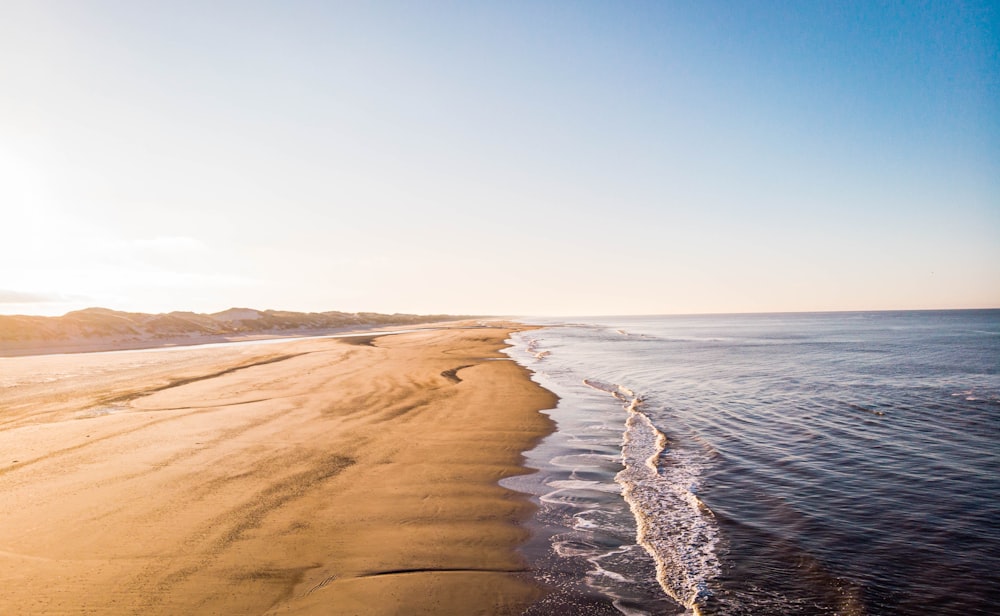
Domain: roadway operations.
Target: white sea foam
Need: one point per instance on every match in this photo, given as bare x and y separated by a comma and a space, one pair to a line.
532, 349
622, 393
660, 485
579, 484
582, 460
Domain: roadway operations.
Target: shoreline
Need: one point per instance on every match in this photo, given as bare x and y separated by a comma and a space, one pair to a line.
300, 477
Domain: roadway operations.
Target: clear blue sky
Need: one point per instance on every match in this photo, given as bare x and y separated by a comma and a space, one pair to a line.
499, 158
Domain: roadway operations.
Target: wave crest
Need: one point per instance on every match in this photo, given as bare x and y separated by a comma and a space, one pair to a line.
674, 526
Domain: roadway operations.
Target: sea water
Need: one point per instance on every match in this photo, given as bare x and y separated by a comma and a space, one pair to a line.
835, 463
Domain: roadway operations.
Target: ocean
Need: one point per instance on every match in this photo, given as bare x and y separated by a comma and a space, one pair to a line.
827, 463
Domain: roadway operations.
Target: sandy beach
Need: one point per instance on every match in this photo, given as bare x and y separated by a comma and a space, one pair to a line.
315, 476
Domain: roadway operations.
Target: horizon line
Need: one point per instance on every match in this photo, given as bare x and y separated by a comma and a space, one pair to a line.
528, 315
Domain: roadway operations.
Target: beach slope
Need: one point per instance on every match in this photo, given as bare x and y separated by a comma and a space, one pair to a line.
315, 476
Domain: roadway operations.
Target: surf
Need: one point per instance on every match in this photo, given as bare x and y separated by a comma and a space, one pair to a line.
659, 483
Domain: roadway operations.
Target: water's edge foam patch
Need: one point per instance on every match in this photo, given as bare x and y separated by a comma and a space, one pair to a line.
660, 486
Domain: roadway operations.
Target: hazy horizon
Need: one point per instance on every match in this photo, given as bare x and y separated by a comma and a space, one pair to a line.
543, 159
530, 316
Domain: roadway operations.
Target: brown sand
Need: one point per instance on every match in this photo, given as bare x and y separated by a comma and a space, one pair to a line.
302, 477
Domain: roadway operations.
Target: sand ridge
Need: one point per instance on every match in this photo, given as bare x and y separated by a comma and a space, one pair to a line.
101, 329
307, 477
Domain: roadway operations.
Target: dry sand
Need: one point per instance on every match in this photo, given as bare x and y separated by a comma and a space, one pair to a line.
301, 477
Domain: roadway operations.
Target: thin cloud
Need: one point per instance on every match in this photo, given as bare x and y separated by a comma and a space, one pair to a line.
9, 296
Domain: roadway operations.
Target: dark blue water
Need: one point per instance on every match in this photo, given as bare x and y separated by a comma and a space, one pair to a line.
841, 463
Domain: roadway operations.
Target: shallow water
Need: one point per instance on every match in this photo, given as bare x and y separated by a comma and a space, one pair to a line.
769, 464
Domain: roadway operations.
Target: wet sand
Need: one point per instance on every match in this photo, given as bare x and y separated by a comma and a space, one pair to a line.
301, 477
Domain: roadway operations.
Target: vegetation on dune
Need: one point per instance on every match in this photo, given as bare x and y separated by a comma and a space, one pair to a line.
102, 324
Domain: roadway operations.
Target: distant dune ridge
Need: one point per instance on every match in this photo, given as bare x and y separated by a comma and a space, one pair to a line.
97, 329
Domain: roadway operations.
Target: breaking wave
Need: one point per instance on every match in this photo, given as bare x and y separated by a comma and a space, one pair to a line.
660, 485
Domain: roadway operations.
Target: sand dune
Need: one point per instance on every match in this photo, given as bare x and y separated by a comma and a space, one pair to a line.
302, 477
97, 329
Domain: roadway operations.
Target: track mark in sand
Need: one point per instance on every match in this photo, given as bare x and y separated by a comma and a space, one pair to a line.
404, 406
91, 441
19, 556
251, 515
134, 395
203, 446
452, 375
210, 406
128, 397
243, 518
319, 586
287, 579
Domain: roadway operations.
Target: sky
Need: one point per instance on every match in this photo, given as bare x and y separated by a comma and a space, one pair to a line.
517, 158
